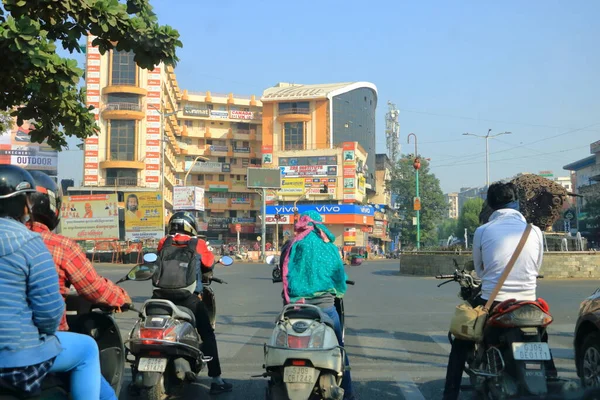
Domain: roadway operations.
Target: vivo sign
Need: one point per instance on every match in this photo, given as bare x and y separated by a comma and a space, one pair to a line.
323, 209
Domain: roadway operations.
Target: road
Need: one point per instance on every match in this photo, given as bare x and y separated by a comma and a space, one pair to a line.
396, 328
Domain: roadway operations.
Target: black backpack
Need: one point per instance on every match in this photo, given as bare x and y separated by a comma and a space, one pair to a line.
176, 265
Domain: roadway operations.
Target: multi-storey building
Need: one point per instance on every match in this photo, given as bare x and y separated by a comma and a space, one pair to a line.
136, 149
226, 129
322, 137
452, 200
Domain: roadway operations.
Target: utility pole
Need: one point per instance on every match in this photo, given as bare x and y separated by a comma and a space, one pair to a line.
487, 151
417, 166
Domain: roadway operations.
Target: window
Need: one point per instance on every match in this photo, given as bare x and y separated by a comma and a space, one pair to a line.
210, 106
122, 140
124, 69
246, 145
189, 124
121, 177
209, 177
221, 159
209, 142
234, 161
245, 162
233, 214
221, 178
293, 136
123, 98
302, 107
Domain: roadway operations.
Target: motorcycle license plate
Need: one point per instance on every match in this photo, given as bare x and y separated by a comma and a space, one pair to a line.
531, 351
299, 375
152, 364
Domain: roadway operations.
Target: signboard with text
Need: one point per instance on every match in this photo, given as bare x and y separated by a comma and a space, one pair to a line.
90, 217
143, 215
188, 198
17, 149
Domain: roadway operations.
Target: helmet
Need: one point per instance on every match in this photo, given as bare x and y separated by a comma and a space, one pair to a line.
46, 201
183, 222
15, 181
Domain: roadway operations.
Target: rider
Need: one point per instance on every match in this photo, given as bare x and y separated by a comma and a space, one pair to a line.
183, 228
313, 273
32, 307
493, 245
72, 265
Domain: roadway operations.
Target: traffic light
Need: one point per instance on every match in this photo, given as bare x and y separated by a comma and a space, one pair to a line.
324, 189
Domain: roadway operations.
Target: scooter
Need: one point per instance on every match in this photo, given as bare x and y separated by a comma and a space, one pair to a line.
511, 360
95, 320
164, 343
276, 274
303, 358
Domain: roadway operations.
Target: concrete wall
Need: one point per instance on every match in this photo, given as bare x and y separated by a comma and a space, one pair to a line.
579, 265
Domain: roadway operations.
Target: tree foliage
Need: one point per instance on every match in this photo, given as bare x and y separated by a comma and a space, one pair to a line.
446, 228
44, 85
469, 217
433, 203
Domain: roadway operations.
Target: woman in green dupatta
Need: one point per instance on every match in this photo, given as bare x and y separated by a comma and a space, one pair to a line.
313, 273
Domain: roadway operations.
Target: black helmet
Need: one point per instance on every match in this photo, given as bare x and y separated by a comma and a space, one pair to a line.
15, 181
183, 222
46, 201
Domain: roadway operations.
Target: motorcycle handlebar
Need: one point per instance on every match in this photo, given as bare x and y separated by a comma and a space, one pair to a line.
444, 277
218, 280
350, 282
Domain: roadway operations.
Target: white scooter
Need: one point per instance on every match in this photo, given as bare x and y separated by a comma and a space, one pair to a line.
303, 358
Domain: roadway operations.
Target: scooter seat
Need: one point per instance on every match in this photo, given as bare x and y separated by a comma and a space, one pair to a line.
166, 307
309, 313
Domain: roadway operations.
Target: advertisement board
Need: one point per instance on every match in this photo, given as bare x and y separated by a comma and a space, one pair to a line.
92, 84
16, 149
207, 166
349, 236
308, 170
219, 114
90, 217
236, 114
309, 185
284, 220
153, 128
267, 155
332, 209
143, 215
195, 112
268, 178
188, 198
349, 161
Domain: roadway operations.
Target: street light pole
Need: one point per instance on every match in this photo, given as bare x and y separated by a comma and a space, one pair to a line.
192, 167
487, 151
417, 166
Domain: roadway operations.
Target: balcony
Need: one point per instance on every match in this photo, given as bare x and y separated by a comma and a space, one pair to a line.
240, 186
216, 150
119, 182
217, 203
108, 164
294, 110
237, 204
123, 111
124, 89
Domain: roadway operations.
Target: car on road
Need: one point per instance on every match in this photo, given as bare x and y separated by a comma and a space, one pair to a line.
587, 341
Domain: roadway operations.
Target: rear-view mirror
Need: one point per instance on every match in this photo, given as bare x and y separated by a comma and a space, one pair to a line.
141, 272
270, 259
226, 260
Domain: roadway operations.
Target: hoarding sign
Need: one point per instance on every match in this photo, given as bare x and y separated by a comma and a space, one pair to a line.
143, 215
219, 114
17, 149
308, 170
283, 220
267, 178
90, 217
323, 209
188, 198
196, 112
236, 114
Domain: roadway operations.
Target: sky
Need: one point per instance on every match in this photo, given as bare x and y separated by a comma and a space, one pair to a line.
529, 68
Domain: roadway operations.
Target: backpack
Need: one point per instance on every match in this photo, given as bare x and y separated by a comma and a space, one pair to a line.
176, 266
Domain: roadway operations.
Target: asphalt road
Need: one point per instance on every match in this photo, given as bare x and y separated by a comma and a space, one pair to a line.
396, 328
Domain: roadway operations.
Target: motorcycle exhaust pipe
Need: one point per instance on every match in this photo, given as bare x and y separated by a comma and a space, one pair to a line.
183, 370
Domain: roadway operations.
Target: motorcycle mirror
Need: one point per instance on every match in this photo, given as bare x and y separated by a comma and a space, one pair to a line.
150, 257
270, 259
226, 260
141, 272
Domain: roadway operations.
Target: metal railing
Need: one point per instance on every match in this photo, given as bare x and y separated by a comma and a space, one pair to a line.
134, 182
123, 107
294, 110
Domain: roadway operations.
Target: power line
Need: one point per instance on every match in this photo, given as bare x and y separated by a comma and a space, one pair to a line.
512, 158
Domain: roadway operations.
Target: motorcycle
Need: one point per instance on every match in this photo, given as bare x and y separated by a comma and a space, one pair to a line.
303, 358
276, 274
164, 343
95, 320
511, 360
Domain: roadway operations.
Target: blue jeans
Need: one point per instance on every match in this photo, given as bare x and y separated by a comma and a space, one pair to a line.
80, 357
347, 380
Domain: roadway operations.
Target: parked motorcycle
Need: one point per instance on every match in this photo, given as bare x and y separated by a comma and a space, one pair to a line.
164, 343
511, 360
95, 320
303, 358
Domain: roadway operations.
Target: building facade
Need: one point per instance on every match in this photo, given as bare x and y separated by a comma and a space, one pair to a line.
452, 200
319, 136
226, 129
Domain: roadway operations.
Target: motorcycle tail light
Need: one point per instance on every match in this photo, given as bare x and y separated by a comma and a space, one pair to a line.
528, 315
281, 339
317, 338
168, 334
298, 342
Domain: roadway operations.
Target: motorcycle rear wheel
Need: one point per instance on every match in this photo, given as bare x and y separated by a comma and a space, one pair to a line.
157, 392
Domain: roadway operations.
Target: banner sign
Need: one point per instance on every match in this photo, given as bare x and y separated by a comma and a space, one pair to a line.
188, 198
308, 170
143, 215
323, 209
90, 217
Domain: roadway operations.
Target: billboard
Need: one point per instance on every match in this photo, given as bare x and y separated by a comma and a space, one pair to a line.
143, 215
309, 185
263, 178
188, 198
90, 217
308, 170
349, 158
17, 149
